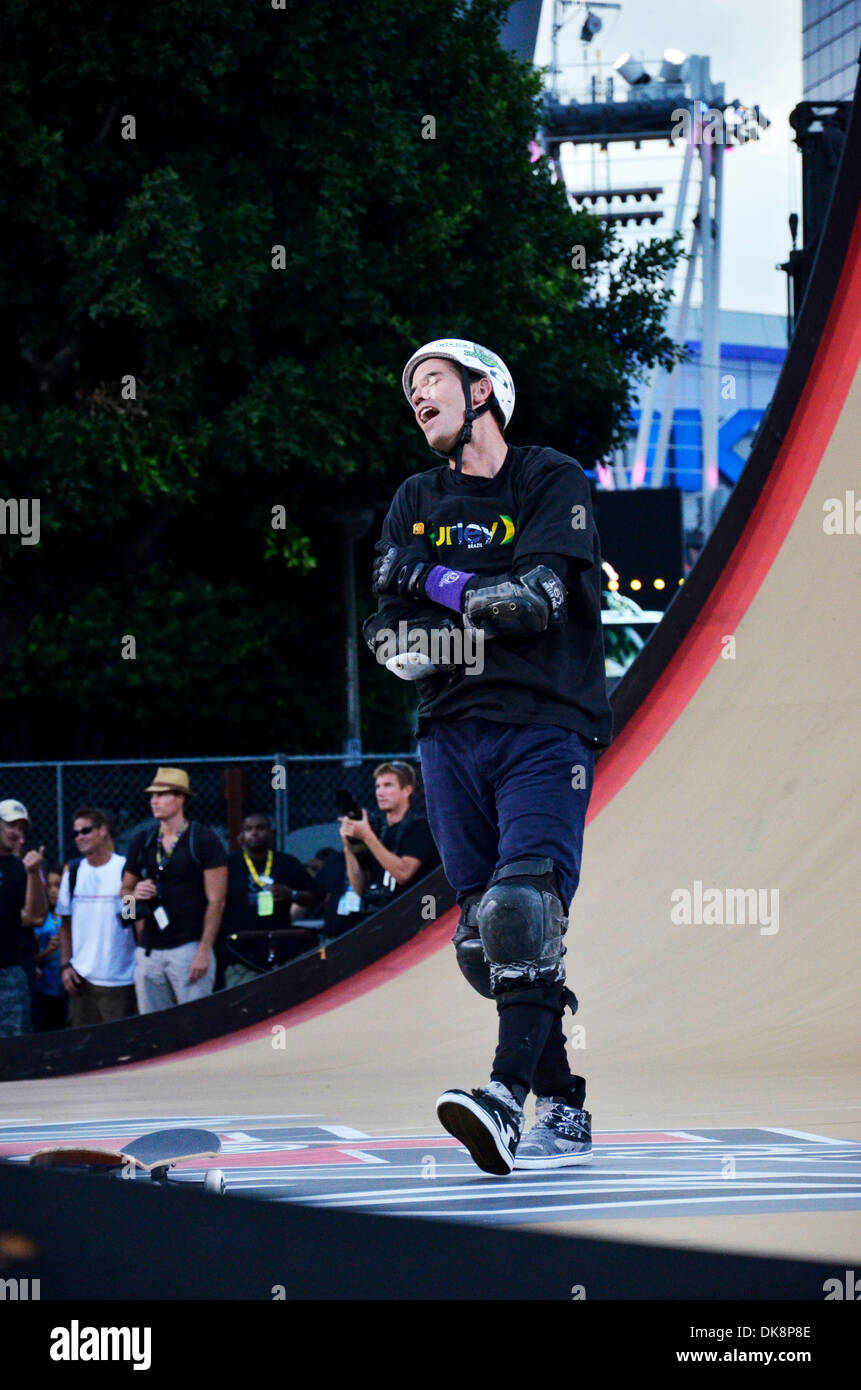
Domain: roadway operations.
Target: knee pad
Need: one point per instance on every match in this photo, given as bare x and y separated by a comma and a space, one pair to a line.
521, 922
469, 950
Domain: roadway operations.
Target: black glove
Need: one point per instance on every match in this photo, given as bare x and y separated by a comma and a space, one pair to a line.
399, 571
508, 605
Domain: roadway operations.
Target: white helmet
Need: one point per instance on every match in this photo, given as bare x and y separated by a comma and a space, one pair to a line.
476, 359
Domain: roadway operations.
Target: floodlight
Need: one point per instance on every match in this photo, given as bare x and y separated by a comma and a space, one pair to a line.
591, 26
671, 67
632, 70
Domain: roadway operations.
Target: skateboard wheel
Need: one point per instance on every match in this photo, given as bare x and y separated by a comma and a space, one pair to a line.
214, 1182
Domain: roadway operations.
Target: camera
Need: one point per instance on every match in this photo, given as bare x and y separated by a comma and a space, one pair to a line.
347, 805
145, 908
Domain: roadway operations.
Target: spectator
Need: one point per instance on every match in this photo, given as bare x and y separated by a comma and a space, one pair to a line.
48, 998
28, 934
97, 947
177, 874
268, 889
402, 852
316, 863
343, 907
22, 904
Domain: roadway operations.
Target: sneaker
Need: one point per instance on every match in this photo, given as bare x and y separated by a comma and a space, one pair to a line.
561, 1138
488, 1123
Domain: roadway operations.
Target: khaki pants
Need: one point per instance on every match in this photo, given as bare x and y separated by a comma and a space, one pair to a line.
101, 1004
161, 978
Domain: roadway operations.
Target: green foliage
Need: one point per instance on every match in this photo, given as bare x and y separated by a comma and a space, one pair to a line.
152, 258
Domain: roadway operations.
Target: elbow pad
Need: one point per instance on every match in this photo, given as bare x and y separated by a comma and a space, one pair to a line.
430, 645
510, 605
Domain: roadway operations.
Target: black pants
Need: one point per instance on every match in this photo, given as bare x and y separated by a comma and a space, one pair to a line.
50, 1011
527, 1032
497, 793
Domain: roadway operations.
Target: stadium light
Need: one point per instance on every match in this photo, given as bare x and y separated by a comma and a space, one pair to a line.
591, 26
671, 67
632, 70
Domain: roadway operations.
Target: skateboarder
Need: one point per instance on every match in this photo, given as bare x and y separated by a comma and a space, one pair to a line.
489, 574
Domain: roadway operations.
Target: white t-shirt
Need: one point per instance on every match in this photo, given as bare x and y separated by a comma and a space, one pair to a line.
103, 950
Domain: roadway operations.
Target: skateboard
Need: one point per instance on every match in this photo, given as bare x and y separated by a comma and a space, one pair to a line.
154, 1153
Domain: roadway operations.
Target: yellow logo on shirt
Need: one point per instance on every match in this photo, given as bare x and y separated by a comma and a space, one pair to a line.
474, 535
418, 528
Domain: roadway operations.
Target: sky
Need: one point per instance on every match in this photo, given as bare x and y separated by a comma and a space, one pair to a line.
755, 50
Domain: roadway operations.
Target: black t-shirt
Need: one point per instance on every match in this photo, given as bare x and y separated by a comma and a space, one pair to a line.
536, 510
241, 912
410, 836
180, 882
13, 894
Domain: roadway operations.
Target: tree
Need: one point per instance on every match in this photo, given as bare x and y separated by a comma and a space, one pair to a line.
226, 229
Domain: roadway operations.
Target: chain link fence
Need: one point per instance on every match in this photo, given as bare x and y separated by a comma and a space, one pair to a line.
297, 793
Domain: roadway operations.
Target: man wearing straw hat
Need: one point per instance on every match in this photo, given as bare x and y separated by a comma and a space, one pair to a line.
177, 876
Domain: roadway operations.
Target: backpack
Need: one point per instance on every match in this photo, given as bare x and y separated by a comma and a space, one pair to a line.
74, 866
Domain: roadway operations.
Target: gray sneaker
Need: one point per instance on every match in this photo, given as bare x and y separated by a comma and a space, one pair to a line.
561, 1138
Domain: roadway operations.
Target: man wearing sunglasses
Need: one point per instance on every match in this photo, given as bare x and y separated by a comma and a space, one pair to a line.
97, 952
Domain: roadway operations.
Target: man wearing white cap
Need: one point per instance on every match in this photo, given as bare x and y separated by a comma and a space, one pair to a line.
23, 903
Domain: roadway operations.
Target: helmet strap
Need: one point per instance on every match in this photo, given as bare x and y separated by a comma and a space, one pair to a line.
471, 413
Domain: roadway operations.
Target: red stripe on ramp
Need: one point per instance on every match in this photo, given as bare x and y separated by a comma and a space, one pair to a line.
284, 1158
612, 1136
813, 423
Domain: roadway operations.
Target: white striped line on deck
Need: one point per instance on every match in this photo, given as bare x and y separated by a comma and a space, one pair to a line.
526, 1189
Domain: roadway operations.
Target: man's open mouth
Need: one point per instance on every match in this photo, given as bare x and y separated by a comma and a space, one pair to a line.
427, 413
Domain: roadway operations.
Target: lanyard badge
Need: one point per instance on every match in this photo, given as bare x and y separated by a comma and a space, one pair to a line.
265, 900
162, 855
